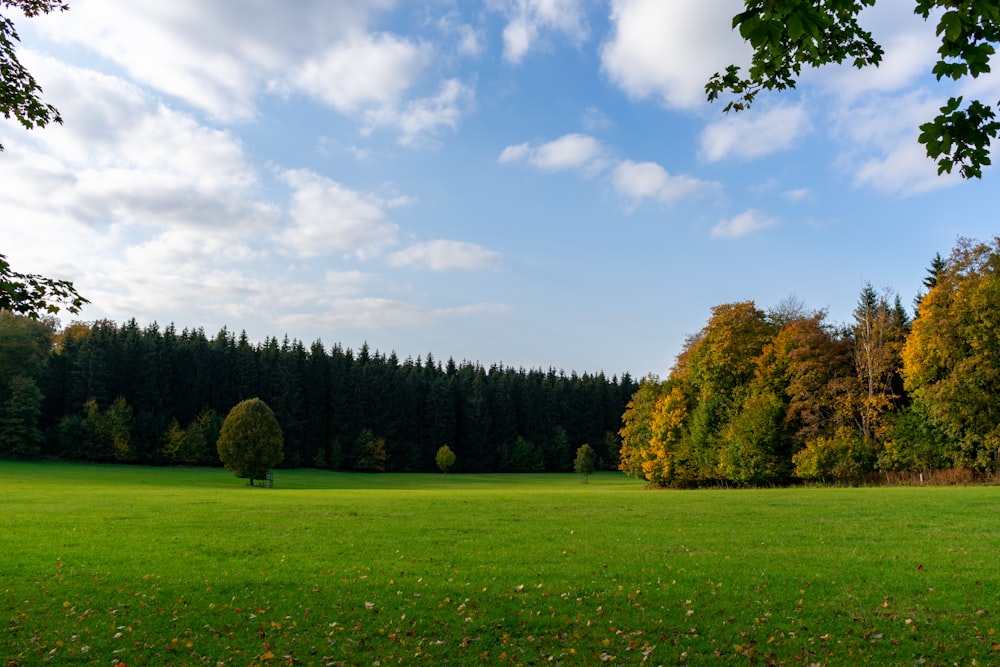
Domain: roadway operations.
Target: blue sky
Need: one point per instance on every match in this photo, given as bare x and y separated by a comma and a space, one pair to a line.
538, 183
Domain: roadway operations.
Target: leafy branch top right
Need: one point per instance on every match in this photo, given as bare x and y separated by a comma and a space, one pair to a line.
787, 34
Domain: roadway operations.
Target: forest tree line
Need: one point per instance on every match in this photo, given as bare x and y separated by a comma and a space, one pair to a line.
107, 392
765, 397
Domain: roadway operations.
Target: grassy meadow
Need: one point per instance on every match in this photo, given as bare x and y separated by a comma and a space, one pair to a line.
105, 565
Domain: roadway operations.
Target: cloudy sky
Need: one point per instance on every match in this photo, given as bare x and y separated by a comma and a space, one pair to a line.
538, 183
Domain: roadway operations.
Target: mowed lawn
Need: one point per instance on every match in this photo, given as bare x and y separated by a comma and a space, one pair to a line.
106, 565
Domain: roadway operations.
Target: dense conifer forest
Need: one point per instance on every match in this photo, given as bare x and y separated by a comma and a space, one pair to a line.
108, 392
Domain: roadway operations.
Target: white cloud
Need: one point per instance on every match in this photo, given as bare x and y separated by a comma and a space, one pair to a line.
138, 284
214, 56
634, 181
748, 222
188, 251
985, 87
147, 211
470, 41
378, 314
517, 38
443, 255
567, 152
878, 139
221, 57
528, 19
344, 283
515, 153
754, 133
319, 293
328, 217
910, 51
157, 216
594, 119
640, 180
873, 115
669, 49
370, 75
363, 312
421, 118
363, 71
908, 56
127, 160
904, 170
570, 151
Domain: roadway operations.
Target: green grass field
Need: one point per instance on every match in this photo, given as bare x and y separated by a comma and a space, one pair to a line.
106, 565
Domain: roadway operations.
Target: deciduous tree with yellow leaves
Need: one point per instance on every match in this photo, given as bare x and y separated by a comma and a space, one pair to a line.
951, 360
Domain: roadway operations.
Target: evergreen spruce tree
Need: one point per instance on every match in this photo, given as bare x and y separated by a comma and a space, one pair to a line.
20, 437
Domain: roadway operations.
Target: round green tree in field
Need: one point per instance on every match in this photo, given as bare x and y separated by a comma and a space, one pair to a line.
250, 442
445, 458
